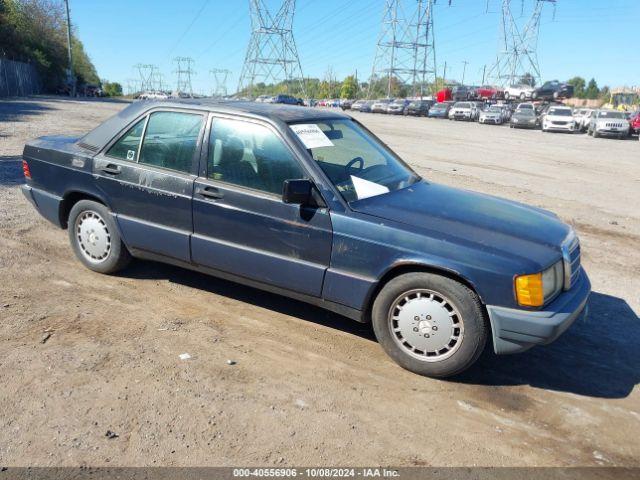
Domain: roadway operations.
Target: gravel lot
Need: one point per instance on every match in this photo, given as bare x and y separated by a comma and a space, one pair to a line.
82, 354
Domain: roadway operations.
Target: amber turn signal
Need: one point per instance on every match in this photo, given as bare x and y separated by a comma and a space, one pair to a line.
529, 290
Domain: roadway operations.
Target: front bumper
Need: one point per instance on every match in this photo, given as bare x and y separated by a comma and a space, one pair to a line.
494, 121
516, 330
550, 127
611, 132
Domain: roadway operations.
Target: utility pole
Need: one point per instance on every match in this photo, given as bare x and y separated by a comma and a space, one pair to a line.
272, 55
405, 50
72, 76
464, 70
484, 73
444, 75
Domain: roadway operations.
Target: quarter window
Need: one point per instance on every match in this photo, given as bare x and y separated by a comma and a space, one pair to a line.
170, 140
250, 155
127, 147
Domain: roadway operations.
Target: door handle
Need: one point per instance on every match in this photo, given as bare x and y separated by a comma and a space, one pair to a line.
210, 192
111, 169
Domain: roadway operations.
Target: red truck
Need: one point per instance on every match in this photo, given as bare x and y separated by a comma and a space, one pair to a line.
444, 95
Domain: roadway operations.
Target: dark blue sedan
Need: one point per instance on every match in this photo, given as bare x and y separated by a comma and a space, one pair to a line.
310, 204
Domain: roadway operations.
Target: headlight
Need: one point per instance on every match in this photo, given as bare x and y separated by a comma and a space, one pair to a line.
515, 120
537, 289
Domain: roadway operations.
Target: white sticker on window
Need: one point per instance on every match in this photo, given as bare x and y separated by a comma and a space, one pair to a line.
365, 188
311, 136
131, 154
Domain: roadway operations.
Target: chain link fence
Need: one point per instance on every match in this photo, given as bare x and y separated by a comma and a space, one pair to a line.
18, 79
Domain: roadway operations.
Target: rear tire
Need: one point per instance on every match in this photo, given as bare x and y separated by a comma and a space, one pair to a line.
429, 324
95, 238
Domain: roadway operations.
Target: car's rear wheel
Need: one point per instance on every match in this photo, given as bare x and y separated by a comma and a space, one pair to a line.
95, 239
430, 324
523, 96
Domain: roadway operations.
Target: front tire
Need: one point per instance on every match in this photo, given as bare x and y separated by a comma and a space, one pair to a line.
95, 238
429, 324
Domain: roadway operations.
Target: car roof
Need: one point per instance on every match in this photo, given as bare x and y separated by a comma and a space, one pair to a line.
276, 113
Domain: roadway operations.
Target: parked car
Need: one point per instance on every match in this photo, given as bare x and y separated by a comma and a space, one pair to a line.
418, 108
460, 93
440, 110
346, 104
553, 90
444, 95
366, 106
524, 118
493, 115
526, 106
397, 107
311, 205
489, 92
559, 119
357, 105
582, 117
262, 98
380, 105
520, 91
608, 123
464, 111
634, 123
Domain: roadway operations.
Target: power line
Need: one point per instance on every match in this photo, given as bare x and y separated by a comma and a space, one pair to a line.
193, 21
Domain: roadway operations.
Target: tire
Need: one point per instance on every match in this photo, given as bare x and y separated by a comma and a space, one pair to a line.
595, 134
556, 95
426, 290
506, 95
95, 238
523, 96
534, 95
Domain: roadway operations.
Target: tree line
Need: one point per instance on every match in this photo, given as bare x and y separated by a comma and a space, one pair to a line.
35, 31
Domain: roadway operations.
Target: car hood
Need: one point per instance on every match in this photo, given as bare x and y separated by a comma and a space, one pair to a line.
522, 117
456, 215
491, 114
559, 118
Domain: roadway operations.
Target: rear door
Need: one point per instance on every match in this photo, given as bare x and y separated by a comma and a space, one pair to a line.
148, 174
241, 224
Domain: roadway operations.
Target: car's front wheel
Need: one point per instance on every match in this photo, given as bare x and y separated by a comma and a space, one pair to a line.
430, 324
95, 239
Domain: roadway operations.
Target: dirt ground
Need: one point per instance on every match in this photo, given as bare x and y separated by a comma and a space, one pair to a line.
82, 353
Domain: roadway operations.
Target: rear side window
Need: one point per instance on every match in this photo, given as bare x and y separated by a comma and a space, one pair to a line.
127, 147
170, 140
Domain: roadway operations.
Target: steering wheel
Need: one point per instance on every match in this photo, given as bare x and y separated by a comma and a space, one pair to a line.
350, 165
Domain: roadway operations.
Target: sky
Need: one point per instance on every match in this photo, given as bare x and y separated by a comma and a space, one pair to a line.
589, 38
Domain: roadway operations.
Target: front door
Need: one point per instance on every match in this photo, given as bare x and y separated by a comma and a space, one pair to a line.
147, 176
241, 224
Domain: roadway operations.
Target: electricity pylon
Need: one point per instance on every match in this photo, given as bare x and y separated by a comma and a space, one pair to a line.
517, 53
406, 51
184, 71
272, 55
220, 76
147, 73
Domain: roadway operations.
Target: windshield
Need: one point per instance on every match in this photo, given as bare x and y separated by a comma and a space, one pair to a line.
440, 106
526, 113
353, 159
560, 112
618, 115
462, 105
495, 110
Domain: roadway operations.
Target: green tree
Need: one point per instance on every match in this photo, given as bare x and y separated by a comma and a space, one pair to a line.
592, 92
35, 31
528, 79
349, 88
578, 86
112, 89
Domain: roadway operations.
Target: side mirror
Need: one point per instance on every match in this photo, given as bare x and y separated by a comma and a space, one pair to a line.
298, 192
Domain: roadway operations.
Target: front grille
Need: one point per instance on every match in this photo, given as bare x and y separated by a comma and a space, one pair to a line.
559, 123
571, 256
614, 125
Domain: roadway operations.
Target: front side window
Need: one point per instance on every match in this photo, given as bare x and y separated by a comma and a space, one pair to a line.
250, 155
170, 140
353, 159
127, 147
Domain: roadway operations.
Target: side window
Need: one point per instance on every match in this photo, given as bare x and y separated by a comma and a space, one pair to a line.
170, 140
250, 155
127, 147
